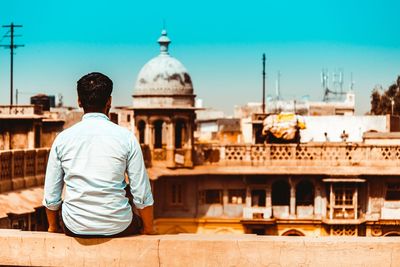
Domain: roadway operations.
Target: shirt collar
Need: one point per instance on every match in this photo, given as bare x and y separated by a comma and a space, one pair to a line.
95, 115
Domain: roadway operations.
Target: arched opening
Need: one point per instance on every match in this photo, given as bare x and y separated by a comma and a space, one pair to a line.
280, 193
159, 133
224, 231
304, 193
141, 128
180, 133
293, 232
394, 233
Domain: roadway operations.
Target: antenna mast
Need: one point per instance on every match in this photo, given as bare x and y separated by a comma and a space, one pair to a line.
12, 46
278, 86
263, 94
351, 82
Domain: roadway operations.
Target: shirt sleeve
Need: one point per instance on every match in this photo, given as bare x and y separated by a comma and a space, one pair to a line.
54, 181
138, 179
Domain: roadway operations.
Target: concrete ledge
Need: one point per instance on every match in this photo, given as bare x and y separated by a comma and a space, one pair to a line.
46, 249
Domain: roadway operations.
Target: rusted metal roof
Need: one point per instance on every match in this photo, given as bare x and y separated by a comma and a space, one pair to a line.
21, 201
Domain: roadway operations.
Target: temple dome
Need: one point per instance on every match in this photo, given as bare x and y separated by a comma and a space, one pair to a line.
163, 75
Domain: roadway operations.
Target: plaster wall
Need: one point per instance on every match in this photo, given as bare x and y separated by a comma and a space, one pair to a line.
334, 126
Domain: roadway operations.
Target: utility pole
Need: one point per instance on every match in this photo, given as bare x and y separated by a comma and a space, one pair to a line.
263, 74
12, 46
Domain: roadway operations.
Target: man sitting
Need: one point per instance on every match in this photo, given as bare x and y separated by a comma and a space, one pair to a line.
91, 159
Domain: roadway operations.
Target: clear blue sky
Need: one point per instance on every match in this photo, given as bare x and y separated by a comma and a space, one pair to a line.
219, 42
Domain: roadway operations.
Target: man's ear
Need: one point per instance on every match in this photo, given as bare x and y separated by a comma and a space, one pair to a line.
79, 103
108, 104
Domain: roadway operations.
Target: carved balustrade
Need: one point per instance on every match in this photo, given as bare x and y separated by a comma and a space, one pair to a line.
22, 168
299, 155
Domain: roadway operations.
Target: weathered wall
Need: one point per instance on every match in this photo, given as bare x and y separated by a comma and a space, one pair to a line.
45, 249
354, 126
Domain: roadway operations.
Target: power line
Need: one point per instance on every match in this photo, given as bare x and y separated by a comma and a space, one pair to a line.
4, 36
11, 46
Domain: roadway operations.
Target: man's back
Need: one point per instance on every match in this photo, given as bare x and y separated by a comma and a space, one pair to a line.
93, 157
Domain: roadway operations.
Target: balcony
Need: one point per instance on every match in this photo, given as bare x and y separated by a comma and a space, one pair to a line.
22, 168
318, 158
302, 154
256, 213
25, 168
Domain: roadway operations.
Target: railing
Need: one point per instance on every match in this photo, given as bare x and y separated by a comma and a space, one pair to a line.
28, 165
22, 168
299, 155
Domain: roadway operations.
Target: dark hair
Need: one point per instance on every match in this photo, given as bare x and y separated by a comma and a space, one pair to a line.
94, 89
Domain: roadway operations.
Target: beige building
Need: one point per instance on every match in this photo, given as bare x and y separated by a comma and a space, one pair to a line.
27, 127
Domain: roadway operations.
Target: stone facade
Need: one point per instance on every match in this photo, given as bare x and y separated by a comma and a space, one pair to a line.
311, 190
26, 127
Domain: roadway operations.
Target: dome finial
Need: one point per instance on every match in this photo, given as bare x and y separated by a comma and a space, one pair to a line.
164, 42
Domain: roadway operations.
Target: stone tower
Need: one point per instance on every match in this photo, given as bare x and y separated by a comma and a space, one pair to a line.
164, 112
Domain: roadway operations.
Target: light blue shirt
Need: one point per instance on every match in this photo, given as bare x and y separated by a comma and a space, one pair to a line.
91, 159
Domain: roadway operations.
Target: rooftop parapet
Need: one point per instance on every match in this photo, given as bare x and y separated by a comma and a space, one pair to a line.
21, 110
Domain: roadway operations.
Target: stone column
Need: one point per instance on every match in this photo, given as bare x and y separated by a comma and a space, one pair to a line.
31, 139
148, 135
248, 197
331, 200
7, 140
171, 144
132, 122
355, 202
292, 207
268, 202
225, 197
317, 202
188, 145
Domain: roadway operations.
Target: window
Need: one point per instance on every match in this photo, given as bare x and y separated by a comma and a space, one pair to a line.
128, 118
18, 224
393, 191
37, 136
237, 196
344, 196
258, 198
141, 128
180, 134
211, 196
176, 193
280, 193
114, 117
344, 204
159, 133
304, 193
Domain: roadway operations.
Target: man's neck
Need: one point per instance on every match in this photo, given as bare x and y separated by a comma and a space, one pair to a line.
104, 111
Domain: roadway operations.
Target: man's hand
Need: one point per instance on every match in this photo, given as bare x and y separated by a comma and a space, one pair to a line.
52, 218
148, 232
53, 229
147, 216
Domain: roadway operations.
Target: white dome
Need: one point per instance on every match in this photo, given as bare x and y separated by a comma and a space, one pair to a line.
163, 75
163, 82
